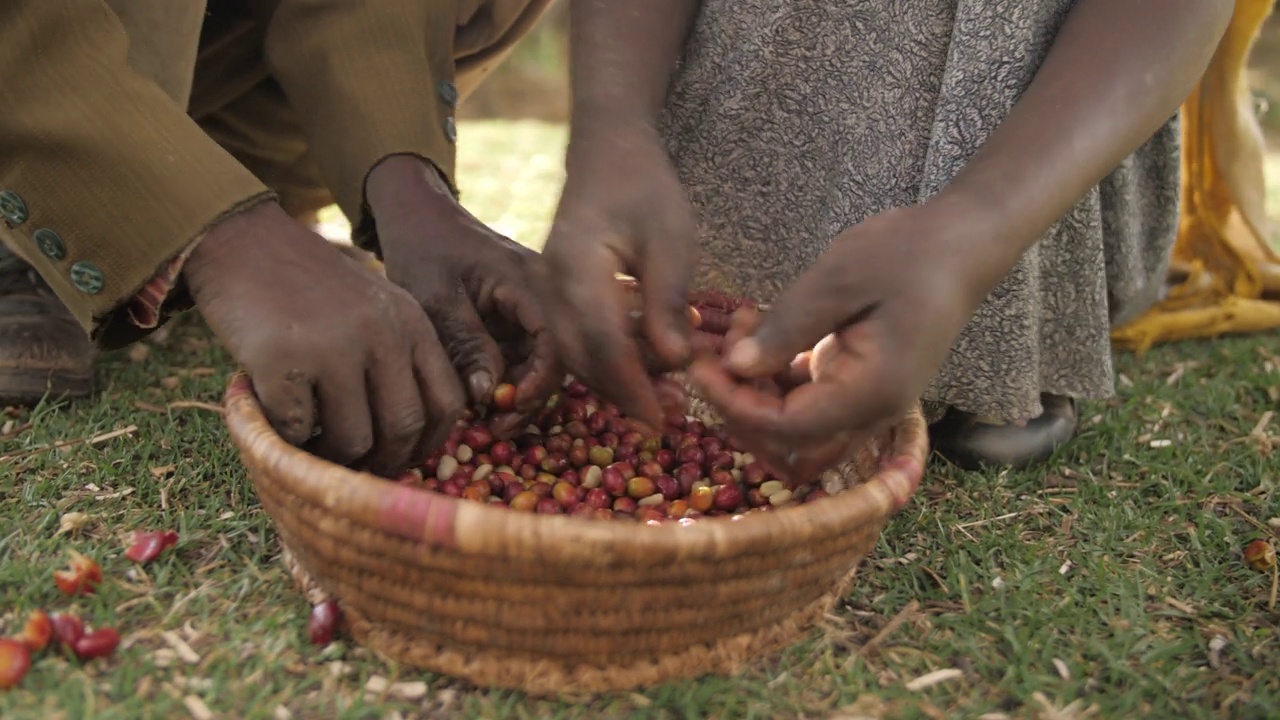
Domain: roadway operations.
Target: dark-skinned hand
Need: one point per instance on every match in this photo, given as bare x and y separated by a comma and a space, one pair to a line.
474, 284
849, 347
329, 344
622, 210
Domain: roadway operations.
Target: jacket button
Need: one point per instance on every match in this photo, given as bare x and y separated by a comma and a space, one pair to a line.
87, 277
50, 243
449, 93
12, 208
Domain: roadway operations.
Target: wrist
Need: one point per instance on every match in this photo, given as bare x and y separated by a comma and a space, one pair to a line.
409, 200
398, 181
611, 135
591, 117
225, 242
975, 233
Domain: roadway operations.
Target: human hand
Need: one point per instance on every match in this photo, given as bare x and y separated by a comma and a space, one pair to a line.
623, 210
331, 346
849, 346
474, 284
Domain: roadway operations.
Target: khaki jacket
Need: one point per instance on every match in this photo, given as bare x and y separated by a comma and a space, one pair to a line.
104, 176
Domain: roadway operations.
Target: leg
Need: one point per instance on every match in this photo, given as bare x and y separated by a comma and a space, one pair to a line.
43, 350
263, 133
163, 37
237, 103
972, 442
241, 107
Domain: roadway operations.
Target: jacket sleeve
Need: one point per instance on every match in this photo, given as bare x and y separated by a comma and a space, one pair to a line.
370, 79
104, 181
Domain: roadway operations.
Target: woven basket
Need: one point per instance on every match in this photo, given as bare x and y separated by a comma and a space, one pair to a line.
558, 604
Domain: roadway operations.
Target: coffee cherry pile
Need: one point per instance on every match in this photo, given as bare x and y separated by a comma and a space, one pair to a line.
582, 457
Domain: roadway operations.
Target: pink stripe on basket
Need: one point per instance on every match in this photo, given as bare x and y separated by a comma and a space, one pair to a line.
901, 477
418, 515
239, 386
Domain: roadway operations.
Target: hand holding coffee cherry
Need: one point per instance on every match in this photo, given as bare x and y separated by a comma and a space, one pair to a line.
623, 210
474, 285
858, 337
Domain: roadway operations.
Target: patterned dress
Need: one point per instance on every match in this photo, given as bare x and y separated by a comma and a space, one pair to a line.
791, 120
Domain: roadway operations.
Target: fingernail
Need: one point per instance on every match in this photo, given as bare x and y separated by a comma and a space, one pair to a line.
744, 355
481, 382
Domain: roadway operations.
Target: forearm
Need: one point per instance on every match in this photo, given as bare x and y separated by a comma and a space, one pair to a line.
623, 55
1117, 71
108, 179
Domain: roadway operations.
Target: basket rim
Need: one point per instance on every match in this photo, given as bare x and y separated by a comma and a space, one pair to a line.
418, 515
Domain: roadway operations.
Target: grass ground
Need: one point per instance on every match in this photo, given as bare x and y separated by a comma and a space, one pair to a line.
1110, 584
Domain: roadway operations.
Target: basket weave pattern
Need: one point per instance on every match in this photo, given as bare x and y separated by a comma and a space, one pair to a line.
553, 604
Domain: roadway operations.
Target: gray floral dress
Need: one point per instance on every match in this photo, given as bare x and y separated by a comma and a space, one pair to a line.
791, 120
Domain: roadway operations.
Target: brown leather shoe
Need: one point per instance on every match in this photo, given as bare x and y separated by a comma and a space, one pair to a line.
43, 350
972, 444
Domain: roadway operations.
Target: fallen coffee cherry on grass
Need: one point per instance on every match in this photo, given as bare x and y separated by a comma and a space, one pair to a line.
85, 642
15, 661
323, 623
147, 545
82, 576
37, 631
67, 628
98, 643
1260, 555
